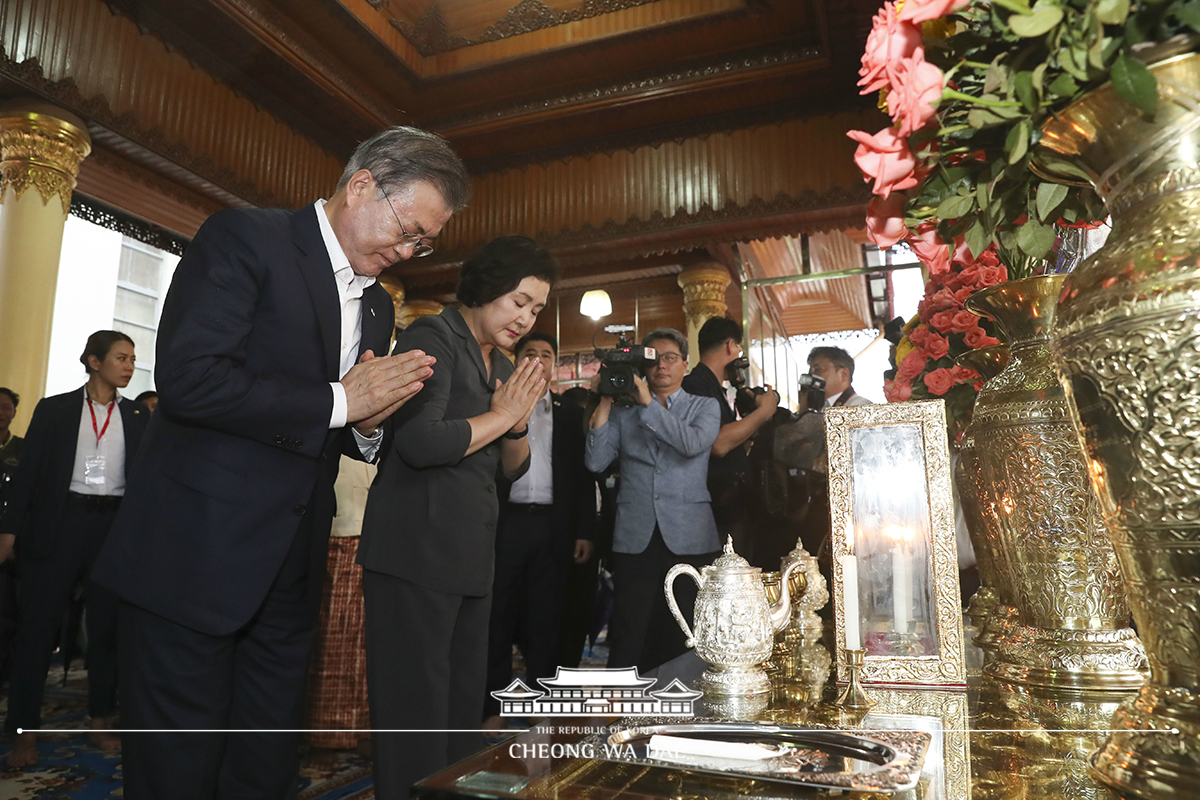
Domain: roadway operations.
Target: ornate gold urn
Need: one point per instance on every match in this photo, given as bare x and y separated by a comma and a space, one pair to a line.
1127, 340
979, 506
1072, 626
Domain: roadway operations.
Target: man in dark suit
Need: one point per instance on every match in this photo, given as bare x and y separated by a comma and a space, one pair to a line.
546, 523
265, 361
61, 504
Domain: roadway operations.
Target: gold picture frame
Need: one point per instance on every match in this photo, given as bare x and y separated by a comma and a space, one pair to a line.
892, 513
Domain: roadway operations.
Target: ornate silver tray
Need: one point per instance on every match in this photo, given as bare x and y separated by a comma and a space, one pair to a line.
818, 757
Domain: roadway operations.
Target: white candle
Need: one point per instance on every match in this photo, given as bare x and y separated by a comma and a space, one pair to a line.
850, 601
901, 586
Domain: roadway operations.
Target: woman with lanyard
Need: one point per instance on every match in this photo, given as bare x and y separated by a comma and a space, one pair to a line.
61, 502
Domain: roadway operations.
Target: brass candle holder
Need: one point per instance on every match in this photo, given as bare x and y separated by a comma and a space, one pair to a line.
854, 696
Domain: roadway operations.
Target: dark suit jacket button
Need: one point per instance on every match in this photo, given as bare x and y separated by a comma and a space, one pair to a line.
278, 440
300, 511
491, 489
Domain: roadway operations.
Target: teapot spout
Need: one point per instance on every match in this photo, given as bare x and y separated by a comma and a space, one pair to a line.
781, 610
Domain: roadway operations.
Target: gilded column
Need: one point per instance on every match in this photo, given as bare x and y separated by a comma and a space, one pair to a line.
703, 298
412, 309
41, 148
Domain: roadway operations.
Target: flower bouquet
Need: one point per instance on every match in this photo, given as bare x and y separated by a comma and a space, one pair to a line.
968, 84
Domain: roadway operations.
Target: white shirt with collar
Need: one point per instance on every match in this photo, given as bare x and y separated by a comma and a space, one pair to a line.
111, 445
537, 485
855, 399
350, 288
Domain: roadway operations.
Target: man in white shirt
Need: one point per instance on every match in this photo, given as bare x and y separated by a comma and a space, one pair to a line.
547, 523
836, 366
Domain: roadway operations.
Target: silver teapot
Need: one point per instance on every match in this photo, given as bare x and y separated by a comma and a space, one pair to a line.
734, 625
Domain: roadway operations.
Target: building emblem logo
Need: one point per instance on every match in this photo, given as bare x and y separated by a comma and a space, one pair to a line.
596, 692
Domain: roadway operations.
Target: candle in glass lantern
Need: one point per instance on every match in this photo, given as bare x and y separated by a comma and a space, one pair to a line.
850, 598
901, 578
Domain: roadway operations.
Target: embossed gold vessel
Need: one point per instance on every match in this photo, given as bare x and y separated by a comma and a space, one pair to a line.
979, 505
1072, 629
1127, 343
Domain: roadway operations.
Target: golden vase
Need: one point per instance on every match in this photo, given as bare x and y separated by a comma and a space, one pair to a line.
1072, 629
979, 505
1128, 344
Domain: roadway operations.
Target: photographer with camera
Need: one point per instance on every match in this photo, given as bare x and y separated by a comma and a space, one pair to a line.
836, 367
729, 474
663, 514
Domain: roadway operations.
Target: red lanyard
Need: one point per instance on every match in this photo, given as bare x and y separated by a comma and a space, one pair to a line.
101, 431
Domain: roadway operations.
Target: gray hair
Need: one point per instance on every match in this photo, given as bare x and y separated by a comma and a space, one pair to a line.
399, 156
667, 333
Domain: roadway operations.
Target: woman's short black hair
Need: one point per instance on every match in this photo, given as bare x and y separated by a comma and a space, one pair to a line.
149, 394
98, 345
500, 266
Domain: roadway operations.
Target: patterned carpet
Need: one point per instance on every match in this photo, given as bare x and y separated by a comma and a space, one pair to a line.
71, 769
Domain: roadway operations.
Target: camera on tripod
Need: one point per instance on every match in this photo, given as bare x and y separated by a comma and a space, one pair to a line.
619, 364
812, 388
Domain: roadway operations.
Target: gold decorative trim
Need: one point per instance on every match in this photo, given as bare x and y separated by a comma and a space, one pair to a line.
41, 151
948, 667
411, 310
703, 293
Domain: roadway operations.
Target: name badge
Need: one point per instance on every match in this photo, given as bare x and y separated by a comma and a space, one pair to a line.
93, 471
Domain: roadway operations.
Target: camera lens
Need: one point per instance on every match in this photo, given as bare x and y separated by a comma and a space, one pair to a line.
618, 380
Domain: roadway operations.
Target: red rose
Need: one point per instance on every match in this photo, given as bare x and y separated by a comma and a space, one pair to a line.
919, 335
911, 366
963, 321
936, 346
964, 375
962, 294
977, 338
942, 321
969, 275
978, 385
990, 276
939, 381
929, 248
897, 391
942, 300
886, 158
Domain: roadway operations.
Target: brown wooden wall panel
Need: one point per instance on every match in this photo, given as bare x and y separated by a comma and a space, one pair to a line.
795, 159
109, 59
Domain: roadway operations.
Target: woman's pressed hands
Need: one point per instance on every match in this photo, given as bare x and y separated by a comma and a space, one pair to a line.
516, 398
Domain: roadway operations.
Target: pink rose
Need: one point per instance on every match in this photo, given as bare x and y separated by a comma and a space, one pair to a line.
942, 321
962, 294
939, 381
977, 337
897, 391
886, 158
990, 276
919, 335
885, 219
942, 300
888, 42
916, 92
936, 346
925, 10
978, 385
911, 366
969, 276
930, 249
963, 321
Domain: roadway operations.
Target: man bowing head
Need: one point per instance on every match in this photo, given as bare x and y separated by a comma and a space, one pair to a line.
271, 362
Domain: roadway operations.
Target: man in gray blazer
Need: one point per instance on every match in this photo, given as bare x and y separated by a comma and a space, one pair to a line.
664, 515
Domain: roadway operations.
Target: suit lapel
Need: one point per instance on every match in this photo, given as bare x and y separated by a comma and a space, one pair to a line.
459, 326
313, 261
377, 320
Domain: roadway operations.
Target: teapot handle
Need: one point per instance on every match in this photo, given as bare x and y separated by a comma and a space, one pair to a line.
669, 590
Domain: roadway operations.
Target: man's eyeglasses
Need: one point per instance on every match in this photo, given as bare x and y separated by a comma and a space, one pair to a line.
670, 358
419, 248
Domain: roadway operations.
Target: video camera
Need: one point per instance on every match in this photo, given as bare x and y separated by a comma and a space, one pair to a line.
813, 390
737, 372
619, 364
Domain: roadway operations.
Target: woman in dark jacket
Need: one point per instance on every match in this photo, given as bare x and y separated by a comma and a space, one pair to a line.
428, 534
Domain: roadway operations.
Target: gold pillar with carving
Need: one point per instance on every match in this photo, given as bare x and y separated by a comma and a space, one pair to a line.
41, 148
703, 298
410, 310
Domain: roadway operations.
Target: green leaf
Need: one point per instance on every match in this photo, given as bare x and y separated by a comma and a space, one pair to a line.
983, 194
1035, 239
977, 238
1134, 82
1063, 86
1049, 197
1189, 14
1112, 12
1017, 141
1037, 23
955, 207
1023, 88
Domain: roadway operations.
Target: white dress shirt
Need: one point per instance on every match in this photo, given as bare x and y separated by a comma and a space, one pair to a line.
537, 485
350, 288
111, 446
